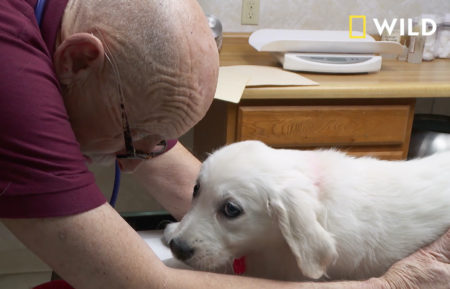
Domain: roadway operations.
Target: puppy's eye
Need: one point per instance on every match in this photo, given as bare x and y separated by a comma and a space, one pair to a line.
196, 189
231, 210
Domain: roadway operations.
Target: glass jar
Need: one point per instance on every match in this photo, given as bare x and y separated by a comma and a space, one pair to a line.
429, 49
416, 43
443, 38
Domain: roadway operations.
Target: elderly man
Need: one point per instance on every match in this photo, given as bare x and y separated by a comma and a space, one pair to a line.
106, 79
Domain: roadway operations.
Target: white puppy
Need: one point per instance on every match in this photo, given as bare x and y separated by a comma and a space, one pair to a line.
299, 215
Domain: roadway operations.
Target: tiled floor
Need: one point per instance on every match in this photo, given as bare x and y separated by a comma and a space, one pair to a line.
19, 267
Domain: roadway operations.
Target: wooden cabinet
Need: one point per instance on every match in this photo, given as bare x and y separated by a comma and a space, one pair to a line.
379, 128
363, 114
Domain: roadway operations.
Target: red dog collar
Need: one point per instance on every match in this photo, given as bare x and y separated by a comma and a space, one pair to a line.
239, 266
57, 284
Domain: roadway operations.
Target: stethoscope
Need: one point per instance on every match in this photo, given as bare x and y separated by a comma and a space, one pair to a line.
38, 12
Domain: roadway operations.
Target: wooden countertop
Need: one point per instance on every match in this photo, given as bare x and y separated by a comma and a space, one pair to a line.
395, 80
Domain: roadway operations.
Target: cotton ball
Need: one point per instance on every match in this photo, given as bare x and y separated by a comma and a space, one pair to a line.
428, 55
444, 44
445, 53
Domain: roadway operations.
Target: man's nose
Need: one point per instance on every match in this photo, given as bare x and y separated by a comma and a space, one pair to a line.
129, 165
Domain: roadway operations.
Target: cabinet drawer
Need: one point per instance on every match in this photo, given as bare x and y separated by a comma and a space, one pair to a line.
324, 125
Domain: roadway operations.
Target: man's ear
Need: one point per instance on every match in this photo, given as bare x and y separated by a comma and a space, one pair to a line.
78, 56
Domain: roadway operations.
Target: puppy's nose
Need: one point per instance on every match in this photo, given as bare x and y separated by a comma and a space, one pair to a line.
181, 249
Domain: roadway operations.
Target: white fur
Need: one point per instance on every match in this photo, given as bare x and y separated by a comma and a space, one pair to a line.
313, 214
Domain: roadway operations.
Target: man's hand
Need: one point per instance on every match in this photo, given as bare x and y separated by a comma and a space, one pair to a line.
170, 179
428, 268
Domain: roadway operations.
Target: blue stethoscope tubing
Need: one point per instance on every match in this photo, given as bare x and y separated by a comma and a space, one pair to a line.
38, 12
116, 186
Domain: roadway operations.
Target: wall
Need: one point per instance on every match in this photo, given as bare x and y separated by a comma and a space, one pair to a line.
332, 15
319, 14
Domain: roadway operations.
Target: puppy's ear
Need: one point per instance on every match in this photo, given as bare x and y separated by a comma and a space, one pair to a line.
313, 247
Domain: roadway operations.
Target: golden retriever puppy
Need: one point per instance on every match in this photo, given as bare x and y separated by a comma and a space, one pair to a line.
299, 215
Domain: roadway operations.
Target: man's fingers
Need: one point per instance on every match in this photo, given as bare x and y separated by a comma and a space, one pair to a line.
440, 249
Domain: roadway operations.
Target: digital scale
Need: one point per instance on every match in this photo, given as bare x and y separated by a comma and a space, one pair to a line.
324, 51
330, 63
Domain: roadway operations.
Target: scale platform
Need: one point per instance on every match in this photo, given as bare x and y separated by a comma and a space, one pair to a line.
324, 51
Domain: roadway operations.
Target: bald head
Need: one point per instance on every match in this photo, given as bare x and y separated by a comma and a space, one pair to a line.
162, 53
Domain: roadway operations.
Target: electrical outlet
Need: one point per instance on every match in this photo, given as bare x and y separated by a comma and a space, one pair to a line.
250, 12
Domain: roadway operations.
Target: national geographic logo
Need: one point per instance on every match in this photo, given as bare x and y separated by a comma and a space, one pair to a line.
404, 25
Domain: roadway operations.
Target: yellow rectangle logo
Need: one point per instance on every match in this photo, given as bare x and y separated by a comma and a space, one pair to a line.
350, 21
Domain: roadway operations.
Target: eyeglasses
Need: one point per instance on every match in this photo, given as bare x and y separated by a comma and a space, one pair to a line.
131, 152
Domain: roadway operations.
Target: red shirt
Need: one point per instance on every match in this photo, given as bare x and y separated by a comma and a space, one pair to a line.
42, 171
